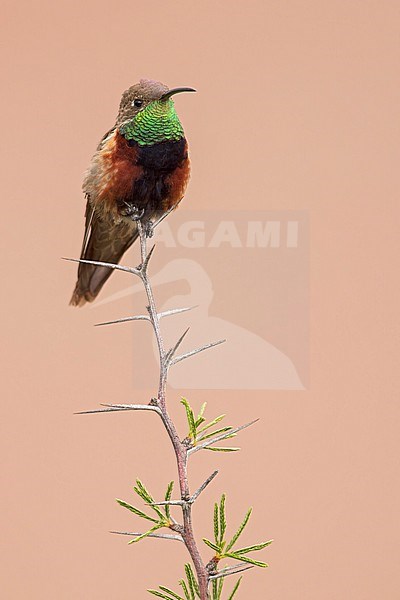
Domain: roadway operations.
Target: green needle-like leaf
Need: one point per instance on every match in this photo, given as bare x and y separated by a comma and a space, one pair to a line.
147, 497
211, 424
142, 491
160, 595
253, 548
211, 545
246, 559
222, 519
213, 433
221, 449
168, 495
217, 588
216, 523
141, 537
191, 581
200, 418
239, 531
185, 589
220, 586
170, 592
194, 586
235, 589
136, 511
190, 419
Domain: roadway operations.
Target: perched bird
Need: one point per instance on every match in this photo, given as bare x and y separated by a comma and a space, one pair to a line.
139, 171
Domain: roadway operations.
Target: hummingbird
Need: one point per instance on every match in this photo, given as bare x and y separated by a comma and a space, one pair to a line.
139, 171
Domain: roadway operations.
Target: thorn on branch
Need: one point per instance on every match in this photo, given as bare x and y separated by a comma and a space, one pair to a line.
172, 351
231, 571
175, 311
203, 486
164, 536
125, 320
193, 352
120, 408
144, 265
99, 410
156, 223
97, 263
134, 407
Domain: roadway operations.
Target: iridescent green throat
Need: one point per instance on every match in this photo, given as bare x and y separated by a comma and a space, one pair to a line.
157, 122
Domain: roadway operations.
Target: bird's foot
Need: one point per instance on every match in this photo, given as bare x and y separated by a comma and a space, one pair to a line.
149, 229
133, 211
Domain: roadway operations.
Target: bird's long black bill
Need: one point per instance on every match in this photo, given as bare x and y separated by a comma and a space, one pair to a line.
174, 91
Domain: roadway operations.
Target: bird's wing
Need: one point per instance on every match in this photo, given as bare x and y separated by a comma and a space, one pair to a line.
89, 212
105, 241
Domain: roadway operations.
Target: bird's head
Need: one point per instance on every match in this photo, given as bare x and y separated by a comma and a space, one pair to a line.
147, 113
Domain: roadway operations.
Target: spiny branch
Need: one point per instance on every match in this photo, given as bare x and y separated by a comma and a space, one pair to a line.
179, 447
166, 360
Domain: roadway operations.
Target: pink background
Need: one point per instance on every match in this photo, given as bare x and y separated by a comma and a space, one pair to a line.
297, 109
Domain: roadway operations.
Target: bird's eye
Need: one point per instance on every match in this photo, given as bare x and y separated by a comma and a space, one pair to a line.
137, 102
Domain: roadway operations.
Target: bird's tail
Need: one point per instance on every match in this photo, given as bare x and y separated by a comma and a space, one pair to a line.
106, 242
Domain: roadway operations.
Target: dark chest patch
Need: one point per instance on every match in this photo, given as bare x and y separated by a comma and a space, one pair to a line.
163, 157
158, 163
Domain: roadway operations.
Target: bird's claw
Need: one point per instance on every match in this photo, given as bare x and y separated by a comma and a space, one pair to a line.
149, 229
133, 211
136, 214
